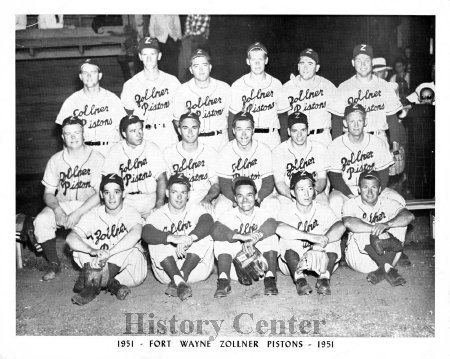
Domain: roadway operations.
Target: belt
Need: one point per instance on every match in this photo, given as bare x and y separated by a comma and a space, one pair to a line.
376, 132
265, 130
212, 133
138, 192
95, 143
155, 126
317, 131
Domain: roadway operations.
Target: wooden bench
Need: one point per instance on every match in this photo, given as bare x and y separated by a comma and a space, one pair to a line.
418, 204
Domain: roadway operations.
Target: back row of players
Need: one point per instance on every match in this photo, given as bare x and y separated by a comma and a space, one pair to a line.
207, 114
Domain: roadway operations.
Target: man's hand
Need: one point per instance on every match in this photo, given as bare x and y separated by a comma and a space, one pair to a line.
60, 216
180, 239
248, 248
181, 250
379, 228
72, 219
321, 240
207, 205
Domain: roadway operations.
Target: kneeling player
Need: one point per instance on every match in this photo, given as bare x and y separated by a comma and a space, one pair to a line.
307, 225
181, 249
374, 222
105, 245
245, 227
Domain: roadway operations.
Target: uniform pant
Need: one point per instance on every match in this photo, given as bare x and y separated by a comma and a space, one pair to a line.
161, 136
217, 141
271, 139
324, 138
103, 149
143, 203
203, 248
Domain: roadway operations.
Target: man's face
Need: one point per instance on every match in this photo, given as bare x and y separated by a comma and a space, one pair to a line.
73, 136
399, 68
243, 131
245, 197
370, 190
298, 133
134, 134
355, 123
304, 192
380, 74
149, 58
362, 64
200, 68
178, 195
90, 75
257, 60
189, 130
112, 195
307, 68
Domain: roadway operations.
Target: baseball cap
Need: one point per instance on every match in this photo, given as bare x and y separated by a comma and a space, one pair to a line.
301, 175
243, 181
379, 64
148, 43
128, 120
369, 174
257, 46
363, 49
243, 115
189, 114
297, 117
111, 178
179, 178
312, 54
73, 120
354, 107
90, 62
201, 53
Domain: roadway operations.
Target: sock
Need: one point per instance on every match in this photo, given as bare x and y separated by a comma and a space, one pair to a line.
170, 267
325, 275
177, 279
269, 274
387, 267
332, 257
271, 257
223, 275
189, 264
49, 248
292, 258
224, 264
387, 257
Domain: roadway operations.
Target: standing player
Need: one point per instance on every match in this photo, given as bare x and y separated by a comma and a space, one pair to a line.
71, 181
260, 94
308, 225
180, 246
149, 95
244, 226
141, 165
371, 215
108, 234
313, 95
99, 108
208, 98
197, 161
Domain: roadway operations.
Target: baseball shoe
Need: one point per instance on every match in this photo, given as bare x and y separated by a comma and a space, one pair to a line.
302, 286
171, 290
404, 261
223, 288
377, 275
270, 286
323, 286
53, 270
393, 278
93, 278
243, 277
184, 291
81, 280
117, 289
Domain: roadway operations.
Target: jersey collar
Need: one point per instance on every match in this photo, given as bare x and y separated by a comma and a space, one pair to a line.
249, 154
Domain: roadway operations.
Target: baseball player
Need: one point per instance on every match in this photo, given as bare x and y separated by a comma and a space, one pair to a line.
141, 165
308, 225
100, 109
149, 95
298, 153
208, 98
197, 161
108, 236
244, 156
244, 226
313, 95
181, 249
71, 181
260, 94
370, 214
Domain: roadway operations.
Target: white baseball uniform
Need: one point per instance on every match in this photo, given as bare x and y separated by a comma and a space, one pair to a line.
101, 230
211, 104
74, 181
264, 101
139, 168
180, 224
317, 100
152, 102
102, 114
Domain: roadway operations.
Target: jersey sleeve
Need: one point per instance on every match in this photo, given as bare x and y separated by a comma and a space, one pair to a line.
224, 159
278, 161
212, 162
236, 96
132, 217
333, 100
51, 178
383, 157
65, 110
333, 155
392, 102
110, 164
266, 163
283, 101
158, 164
327, 217
322, 157
127, 96
350, 208
179, 102
392, 207
97, 168
84, 227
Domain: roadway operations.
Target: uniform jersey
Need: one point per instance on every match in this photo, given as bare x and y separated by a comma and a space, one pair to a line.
139, 167
198, 166
315, 98
102, 230
287, 160
263, 100
256, 164
74, 180
352, 159
384, 210
377, 97
242, 223
102, 114
211, 103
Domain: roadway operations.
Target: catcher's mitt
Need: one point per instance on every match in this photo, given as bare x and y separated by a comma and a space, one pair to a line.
313, 260
399, 163
253, 266
391, 244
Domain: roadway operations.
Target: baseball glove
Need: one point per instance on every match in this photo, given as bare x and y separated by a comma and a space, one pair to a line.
313, 260
391, 244
399, 163
253, 266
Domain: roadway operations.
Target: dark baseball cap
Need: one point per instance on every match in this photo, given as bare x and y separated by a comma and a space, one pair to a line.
355, 107
243, 181
257, 46
73, 120
179, 178
301, 175
201, 53
312, 54
363, 49
128, 120
111, 178
189, 114
90, 62
243, 115
297, 117
148, 43
369, 174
